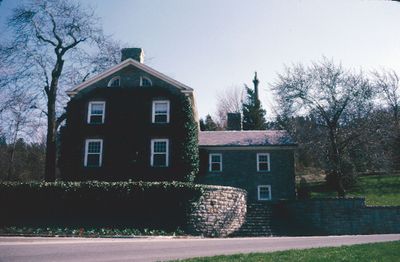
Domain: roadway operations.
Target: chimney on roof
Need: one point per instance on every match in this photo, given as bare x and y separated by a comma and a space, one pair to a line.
134, 53
234, 121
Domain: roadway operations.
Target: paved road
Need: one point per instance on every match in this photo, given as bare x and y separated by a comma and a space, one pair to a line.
160, 249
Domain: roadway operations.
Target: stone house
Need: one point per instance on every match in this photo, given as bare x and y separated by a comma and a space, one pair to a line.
128, 123
261, 162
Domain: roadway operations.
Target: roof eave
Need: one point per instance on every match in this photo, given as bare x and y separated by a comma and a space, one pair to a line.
184, 88
288, 146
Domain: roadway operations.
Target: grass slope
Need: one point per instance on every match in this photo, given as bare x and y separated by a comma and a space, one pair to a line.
378, 190
389, 251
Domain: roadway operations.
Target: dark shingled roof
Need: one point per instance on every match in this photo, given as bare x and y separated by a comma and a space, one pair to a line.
245, 138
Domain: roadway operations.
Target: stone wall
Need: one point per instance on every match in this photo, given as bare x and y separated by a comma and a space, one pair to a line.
338, 217
219, 212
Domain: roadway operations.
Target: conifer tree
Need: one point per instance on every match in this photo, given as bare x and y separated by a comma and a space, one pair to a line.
253, 113
208, 124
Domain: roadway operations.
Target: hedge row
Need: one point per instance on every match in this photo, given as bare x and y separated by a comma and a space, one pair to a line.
158, 205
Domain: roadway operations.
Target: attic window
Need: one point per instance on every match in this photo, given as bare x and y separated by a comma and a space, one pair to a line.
145, 81
115, 81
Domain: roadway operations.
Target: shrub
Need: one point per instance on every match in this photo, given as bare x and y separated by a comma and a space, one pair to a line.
156, 205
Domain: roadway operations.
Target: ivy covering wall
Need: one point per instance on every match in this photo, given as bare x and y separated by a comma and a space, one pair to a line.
126, 135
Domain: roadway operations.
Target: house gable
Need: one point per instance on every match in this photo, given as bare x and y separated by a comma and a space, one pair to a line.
146, 70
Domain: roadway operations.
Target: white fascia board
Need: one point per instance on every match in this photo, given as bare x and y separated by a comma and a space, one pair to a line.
184, 88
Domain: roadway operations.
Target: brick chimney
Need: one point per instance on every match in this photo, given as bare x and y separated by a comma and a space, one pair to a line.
234, 121
134, 53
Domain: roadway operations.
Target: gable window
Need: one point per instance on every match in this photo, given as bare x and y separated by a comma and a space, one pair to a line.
115, 81
215, 163
93, 152
96, 112
264, 192
145, 81
160, 111
263, 162
159, 152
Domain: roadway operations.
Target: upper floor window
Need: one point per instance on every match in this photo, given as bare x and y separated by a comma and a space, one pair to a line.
215, 163
264, 192
145, 81
115, 81
263, 162
93, 152
96, 112
159, 152
160, 111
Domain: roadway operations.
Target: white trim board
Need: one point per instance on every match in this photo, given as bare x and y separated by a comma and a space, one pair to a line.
184, 88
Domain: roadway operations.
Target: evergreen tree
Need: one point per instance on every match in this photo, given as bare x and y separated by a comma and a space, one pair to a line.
208, 124
253, 113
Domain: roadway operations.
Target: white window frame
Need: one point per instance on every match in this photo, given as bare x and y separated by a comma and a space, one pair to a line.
87, 141
145, 77
112, 80
268, 162
210, 162
259, 195
166, 152
90, 111
153, 115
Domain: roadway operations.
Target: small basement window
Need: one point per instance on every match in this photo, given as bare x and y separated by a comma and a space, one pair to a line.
159, 152
215, 163
264, 192
160, 111
145, 81
263, 162
96, 112
115, 81
93, 152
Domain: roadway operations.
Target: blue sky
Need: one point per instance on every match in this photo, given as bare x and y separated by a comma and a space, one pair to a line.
212, 45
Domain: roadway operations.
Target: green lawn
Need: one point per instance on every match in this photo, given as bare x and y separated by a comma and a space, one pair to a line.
389, 251
378, 190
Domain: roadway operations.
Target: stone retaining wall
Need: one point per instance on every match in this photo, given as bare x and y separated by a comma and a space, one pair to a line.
219, 212
339, 216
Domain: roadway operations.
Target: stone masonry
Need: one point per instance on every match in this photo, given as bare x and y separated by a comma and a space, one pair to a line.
341, 216
219, 212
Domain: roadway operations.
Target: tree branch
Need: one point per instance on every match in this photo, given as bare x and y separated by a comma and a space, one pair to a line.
60, 119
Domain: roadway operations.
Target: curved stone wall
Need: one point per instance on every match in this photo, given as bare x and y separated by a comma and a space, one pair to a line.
219, 212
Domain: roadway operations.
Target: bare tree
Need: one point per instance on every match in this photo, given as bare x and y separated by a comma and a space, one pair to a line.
387, 82
336, 97
21, 123
52, 40
229, 101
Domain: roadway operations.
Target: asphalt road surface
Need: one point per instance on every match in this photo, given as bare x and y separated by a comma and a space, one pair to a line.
161, 249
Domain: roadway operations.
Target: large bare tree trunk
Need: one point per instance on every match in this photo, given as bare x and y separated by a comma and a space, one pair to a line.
51, 152
51, 141
336, 160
